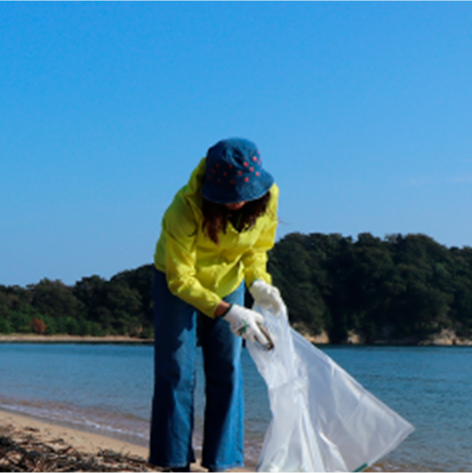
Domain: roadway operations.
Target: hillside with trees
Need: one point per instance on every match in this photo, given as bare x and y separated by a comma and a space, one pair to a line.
93, 306
397, 288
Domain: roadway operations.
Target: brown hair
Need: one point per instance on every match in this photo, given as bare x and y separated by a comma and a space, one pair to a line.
216, 216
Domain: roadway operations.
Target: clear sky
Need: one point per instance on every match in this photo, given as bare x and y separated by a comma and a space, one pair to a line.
362, 112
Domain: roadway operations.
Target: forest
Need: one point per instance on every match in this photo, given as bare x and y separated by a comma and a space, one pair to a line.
401, 287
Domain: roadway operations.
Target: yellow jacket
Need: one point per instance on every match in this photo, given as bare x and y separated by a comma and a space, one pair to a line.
198, 270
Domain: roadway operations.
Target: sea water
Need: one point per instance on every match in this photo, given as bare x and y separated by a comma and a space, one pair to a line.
107, 389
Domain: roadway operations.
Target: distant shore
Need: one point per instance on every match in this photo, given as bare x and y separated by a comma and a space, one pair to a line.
34, 338
444, 338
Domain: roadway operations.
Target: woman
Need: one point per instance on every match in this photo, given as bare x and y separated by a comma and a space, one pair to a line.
214, 240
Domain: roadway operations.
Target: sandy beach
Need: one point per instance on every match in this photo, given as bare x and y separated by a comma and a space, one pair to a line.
28, 444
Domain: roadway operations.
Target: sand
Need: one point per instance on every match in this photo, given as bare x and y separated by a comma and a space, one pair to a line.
82, 441
106, 453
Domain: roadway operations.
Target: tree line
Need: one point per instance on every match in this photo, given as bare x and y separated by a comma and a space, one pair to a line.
93, 306
399, 287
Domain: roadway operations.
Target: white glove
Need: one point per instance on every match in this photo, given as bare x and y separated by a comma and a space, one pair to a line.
267, 296
243, 322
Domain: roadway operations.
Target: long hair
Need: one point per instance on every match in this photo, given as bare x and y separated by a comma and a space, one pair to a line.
216, 216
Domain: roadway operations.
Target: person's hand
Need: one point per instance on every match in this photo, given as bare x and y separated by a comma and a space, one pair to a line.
244, 323
267, 296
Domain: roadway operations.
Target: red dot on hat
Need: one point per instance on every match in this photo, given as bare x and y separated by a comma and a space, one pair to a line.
251, 169
246, 179
232, 182
258, 173
246, 164
254, 158
240, 173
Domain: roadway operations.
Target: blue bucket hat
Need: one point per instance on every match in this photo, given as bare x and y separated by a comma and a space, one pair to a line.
234, 173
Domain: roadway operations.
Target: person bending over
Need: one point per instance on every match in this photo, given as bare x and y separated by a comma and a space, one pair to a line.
214, 241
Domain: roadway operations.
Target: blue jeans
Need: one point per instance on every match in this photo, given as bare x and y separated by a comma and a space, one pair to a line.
175, 326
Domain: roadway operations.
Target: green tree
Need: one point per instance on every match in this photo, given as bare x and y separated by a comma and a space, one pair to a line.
55, 299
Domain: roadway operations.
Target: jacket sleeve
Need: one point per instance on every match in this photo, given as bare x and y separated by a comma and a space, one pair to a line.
255, 259
181, 229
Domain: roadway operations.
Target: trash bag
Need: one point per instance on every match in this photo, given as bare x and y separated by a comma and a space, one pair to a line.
322, 418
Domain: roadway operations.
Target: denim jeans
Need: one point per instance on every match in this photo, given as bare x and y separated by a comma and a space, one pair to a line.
175, 326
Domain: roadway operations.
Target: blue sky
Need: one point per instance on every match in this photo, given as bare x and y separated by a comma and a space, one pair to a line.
362, 112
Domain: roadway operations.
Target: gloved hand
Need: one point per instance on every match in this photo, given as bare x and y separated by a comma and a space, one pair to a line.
243, 322
267, 296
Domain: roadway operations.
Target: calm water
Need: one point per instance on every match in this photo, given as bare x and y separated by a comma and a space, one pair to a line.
107, 389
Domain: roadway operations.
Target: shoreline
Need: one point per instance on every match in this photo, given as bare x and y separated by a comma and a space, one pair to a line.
445, 338
101, 453
79, 439
30, 444
35, 338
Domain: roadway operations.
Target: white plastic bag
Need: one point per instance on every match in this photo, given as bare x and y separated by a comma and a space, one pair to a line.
322, 418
